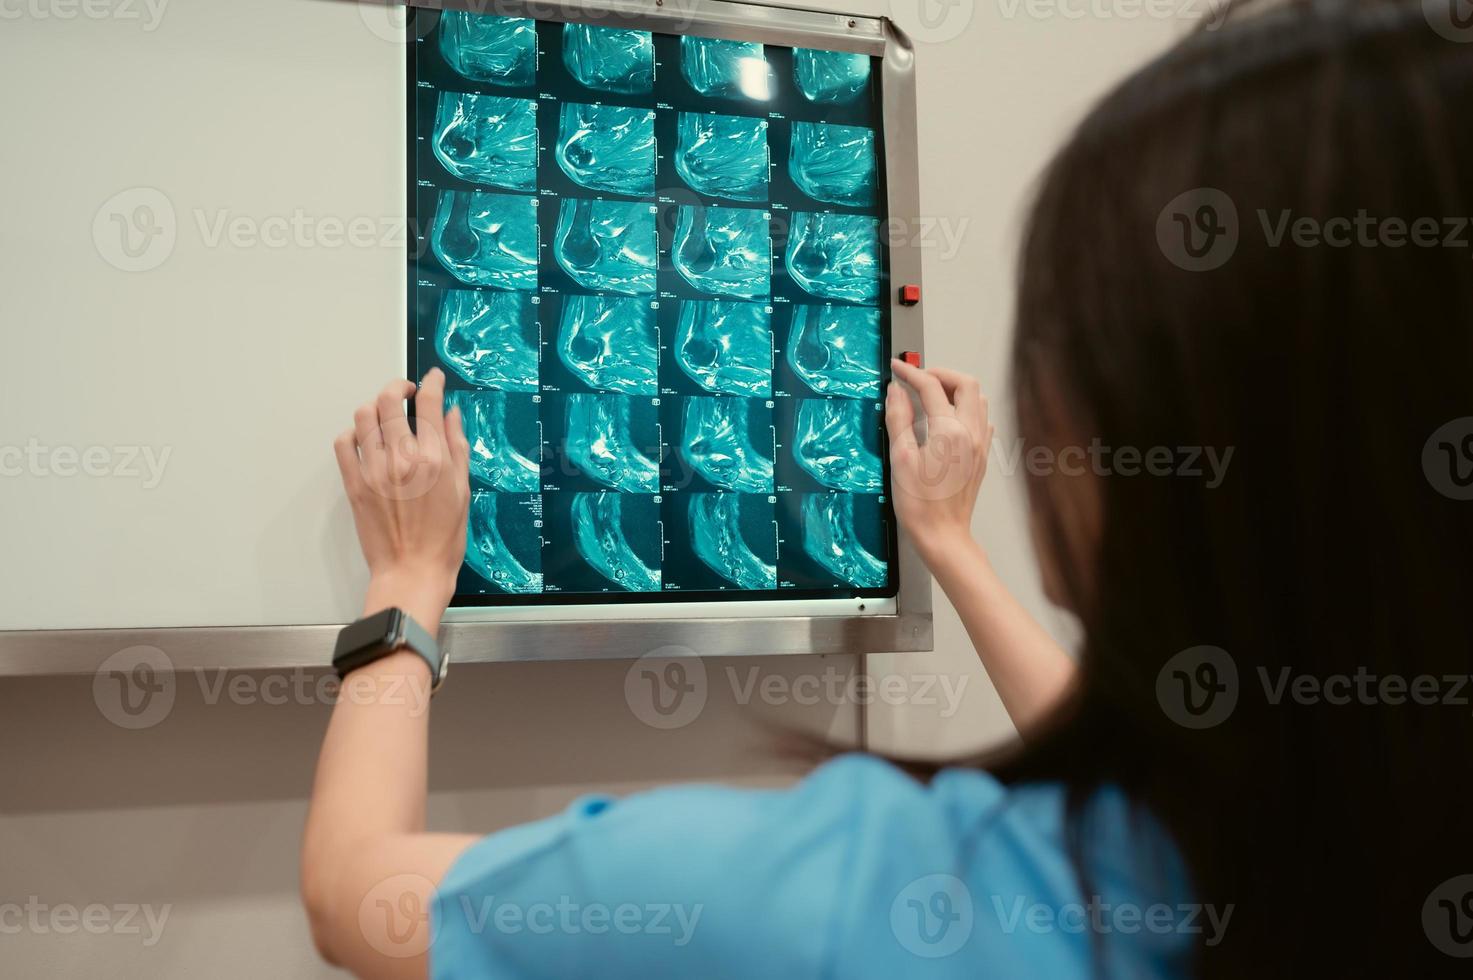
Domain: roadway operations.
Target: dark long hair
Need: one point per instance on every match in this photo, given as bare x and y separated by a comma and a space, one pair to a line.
1166, 301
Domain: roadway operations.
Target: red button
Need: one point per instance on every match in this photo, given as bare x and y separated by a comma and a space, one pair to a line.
910, 295
913, 358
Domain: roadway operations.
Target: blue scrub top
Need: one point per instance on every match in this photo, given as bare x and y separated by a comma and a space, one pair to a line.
857, 871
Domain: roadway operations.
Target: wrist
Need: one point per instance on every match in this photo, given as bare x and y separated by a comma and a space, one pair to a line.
949, 553
422, 596
935, 541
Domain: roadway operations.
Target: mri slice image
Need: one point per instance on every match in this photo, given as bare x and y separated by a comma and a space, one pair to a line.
609, 343
725, 251
830, 76
607, 147
489, 338
607, 246
718, 442
488, 139
725, 69
722, 156
834, 163
726, 346
831, 538
605, 524
503, 546
835, 350
835, 256
717, 538
505, 442
610, 59
486, 48
599, 439
829, 442
487, 239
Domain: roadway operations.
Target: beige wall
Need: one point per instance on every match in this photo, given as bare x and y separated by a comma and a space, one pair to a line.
199, 815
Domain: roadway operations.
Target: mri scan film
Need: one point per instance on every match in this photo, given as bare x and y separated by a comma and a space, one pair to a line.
653, 269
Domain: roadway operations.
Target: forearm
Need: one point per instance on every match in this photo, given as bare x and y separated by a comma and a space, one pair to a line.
364, 851
1029, 670
372, 775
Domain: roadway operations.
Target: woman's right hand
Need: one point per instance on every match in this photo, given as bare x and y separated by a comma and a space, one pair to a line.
935, 483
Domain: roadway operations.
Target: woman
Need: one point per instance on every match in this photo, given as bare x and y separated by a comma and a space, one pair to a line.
1259, 761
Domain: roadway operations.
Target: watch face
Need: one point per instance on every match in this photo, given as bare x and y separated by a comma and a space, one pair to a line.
368, 633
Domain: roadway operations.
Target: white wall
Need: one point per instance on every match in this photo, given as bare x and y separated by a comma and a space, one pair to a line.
219, 106
238, 357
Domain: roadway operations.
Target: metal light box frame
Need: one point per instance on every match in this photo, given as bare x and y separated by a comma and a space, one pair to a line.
492, 634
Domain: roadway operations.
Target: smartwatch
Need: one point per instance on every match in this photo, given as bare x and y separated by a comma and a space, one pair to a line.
375, 637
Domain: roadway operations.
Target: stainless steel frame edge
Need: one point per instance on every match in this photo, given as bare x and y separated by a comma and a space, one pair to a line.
727, 19
42, 652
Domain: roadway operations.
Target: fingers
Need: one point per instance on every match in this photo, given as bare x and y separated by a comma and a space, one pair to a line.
345, 448
900, 418
460, 447
391, 418
367, 433
933, 396
429, 404
965, 393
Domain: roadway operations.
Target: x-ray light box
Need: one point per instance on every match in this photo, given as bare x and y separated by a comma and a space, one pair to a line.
652, 259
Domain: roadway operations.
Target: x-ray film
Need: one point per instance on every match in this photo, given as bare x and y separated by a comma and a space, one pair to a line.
653, 270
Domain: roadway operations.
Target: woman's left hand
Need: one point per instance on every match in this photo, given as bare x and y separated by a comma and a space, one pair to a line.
410, 490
